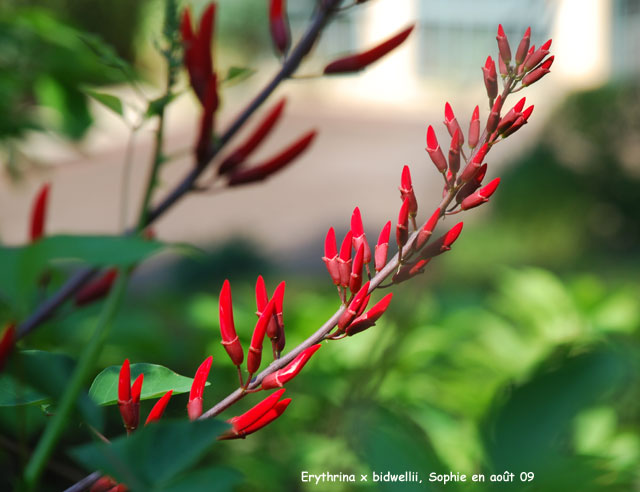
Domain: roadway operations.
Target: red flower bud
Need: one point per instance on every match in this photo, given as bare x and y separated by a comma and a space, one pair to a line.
503, 45
442, 244
481, 196
282, 376
537, 73
452, 123
7, 340
402, 227
272, 414
197, 50
522, 120
355, 281
277, 162
357, 62
454, 153
504, 71
472, 185
39, 212
358, 236
103, 484
490, 78
252, 416
194, 406
240, 154
354, 306
434, 150
474, 128
406, 191
494, 115
369, 319
536, 56
158, 409
279, 26
523, 47
427, 230
382, 248
512, 115
278, 297
330, 257
129, 397
210, 105
344, 260
475, 164
96, 289
254, 357
230, 339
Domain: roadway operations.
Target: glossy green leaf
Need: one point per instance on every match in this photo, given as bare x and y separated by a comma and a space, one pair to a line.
157, 381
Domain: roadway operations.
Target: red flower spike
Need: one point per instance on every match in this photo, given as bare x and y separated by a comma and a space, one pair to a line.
476, 163
352, 310
277, 162
382, 248
7, 342
523, 47
472, 185
278, 297
360, 61
96, 289
279, 26
344, 260
503, 45
254, 357
330, 257
538, 73
406, 191
267, 418
481, 196
427, 229
39, 213
158, 409
240, 154
194, 406
282, 376
454, 153
358, 237
253, 414
452, 123
474, 128
402, 227
355, 281
494, 115
536, 57
197, 50
369, 319
490, 78
512, 115
230, 339
210, 105
434, 151
443, 243
410, 270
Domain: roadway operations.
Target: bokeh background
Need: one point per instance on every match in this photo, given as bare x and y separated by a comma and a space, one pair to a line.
516, 351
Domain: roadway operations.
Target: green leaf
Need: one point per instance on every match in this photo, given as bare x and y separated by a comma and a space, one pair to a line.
153, 455
112, 102
157, 381
14, 393
157, 105
238, 74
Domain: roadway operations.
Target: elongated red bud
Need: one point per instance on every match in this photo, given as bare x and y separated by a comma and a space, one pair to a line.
344, 260
504, 71
261, 295
7, 342
490, 78
254, 356
512, 115
253, 414
136, 389
230, 339
240, 154
277, 162
472, 185
537, 73
39, 212
410, 270
452, 123
522, 120
210, 105
523, 47
358, 236
194, 406
129, 397
356, 271
427, 229
494, 115
330, 257
454, 153
443, 243
474, 128
536, 57
434, 151
272, 414
406, 191
481, 196
103, 484
96, 289
278, 299
402, 227
359, 61
197, 50
354, 306
369, 319
282, 376
476, 163
279, 26
503, 45
382, 248
124, 382
158, 409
